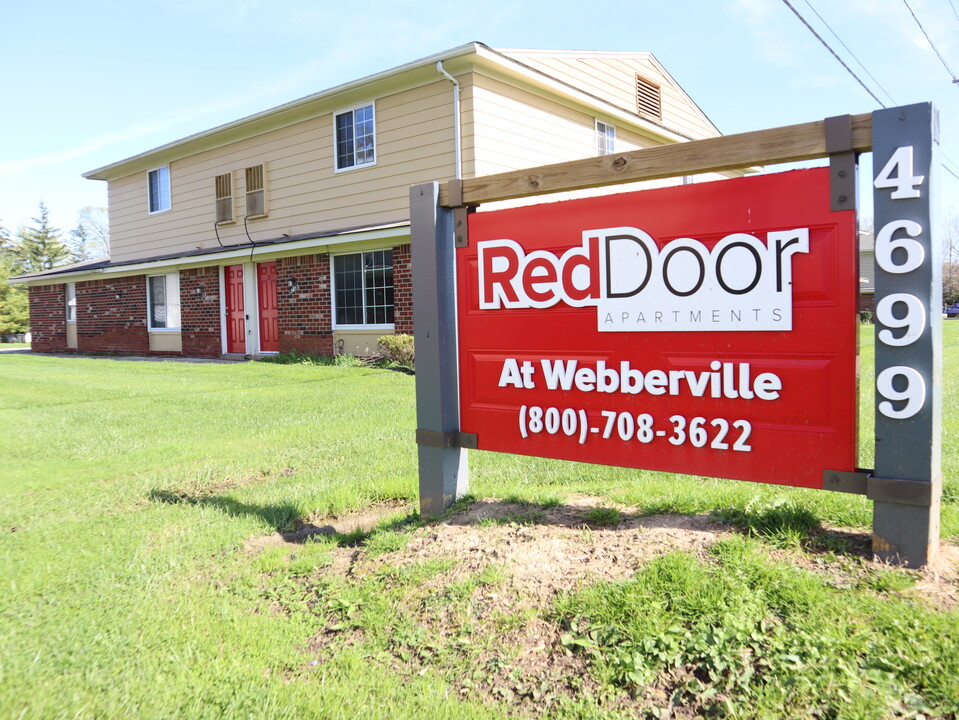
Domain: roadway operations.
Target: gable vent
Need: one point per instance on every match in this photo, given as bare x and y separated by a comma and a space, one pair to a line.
224, 198
648, 99
255, 192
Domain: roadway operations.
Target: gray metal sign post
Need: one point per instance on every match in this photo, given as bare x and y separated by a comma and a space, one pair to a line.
442, 461
908, 334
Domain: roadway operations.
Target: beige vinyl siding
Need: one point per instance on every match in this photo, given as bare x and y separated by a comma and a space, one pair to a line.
414, 144
510, 130
613, 78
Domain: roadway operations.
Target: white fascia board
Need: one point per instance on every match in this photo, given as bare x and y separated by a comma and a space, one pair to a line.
261, 253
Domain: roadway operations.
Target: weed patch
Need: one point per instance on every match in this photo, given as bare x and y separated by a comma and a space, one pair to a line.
741, 635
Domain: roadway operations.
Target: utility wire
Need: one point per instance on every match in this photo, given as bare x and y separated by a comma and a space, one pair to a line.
826, 45
865, 69
931, 43
954, 10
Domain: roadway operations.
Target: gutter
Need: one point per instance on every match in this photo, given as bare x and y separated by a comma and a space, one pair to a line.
457, 139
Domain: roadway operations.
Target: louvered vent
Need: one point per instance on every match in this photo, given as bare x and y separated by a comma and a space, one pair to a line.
255, 192
648, 99
224, 198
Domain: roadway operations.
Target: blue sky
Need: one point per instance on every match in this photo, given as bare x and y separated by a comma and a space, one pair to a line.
89, 83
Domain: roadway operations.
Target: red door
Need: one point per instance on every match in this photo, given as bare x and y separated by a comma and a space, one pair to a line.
269, 316
235, 322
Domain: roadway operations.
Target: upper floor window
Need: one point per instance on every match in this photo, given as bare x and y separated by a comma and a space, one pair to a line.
163, 301
605, 138
158, 182
71, 290
648, 99
363, 288
355, 138
255, 191
223, 186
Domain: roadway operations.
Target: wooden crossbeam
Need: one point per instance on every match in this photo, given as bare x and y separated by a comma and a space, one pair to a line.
792, 143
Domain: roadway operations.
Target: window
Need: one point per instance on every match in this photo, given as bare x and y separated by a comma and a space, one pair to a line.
159, 189
363, 288
163, 301
255, 192
224, 197
605, 138
648, 99
355, 142
71, 289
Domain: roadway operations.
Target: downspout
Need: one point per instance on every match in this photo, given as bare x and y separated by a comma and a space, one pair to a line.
457, 140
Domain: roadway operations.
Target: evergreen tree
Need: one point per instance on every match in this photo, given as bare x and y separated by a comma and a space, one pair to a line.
39, 247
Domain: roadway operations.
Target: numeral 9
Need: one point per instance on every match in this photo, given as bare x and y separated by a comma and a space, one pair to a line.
914, 320
914, 393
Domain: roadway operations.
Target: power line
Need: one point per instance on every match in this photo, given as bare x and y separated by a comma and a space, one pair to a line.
931, 43
865, 69
954, 10
826, 45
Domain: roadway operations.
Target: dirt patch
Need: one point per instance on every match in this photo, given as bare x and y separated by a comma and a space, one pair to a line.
546, 551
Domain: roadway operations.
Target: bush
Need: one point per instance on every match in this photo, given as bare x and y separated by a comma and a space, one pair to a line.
397, 349
865, 316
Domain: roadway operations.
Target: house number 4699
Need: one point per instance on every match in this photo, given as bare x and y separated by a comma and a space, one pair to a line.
899, 252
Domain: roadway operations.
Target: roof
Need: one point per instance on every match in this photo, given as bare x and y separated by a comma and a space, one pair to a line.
474, 54
105, 264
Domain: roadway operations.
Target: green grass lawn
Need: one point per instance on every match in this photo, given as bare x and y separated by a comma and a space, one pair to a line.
14, 346
130, 490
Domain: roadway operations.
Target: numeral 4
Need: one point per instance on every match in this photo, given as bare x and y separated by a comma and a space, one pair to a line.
904, 184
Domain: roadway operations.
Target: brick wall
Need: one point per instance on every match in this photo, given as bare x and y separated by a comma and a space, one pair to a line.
305, 319
112, 316
867, 302
402, 289
200, 312
48, 318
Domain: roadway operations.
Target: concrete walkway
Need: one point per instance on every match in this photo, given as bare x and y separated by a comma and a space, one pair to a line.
135, 358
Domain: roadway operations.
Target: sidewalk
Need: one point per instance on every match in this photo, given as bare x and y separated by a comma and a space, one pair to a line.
136, 358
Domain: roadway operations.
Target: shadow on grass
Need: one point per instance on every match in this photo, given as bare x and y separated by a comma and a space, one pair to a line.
282, 516
781, 524
790, 524
287, 520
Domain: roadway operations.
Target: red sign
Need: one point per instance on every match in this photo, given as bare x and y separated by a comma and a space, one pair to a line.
706, 329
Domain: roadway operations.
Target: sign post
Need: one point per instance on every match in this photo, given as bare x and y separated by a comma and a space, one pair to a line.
908, 334
443, 466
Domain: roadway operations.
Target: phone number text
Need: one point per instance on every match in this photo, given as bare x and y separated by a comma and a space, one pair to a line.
715, 433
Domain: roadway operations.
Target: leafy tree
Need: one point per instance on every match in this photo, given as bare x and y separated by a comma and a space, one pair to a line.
950, 268
90, 239
14, 304
39, 247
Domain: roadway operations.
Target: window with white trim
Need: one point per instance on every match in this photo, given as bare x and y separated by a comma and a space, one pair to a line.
354, 137
71, 291
605, 138
363, 288
158, 189
163, 301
